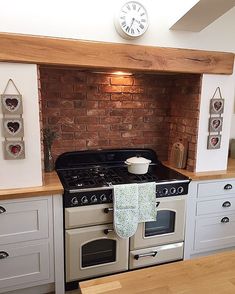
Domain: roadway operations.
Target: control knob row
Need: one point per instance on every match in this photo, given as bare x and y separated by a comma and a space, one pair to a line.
172, 190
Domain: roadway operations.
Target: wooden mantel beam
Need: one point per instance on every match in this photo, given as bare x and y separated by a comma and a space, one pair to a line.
114, 56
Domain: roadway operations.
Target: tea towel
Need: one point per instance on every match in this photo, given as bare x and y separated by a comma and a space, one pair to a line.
147, 202
125, 209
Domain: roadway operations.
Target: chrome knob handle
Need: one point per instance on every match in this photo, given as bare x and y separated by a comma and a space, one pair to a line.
225, 220
103, 198
74, 201
108, 209
94, 199
138, 256
173, 190
226, 204
180, 190
165, 191
84, 200
228, 187
3, 254
106, 231
2, 210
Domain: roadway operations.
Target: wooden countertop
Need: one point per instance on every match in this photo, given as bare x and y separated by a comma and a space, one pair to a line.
212, 274
51, 185
210, 175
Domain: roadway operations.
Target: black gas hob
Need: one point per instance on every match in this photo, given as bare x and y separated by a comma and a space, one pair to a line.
88, 176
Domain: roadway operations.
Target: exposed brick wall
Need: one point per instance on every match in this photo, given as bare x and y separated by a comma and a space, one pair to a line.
184, 115
91, 110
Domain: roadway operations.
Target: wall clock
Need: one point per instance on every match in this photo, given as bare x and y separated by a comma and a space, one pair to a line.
131, 21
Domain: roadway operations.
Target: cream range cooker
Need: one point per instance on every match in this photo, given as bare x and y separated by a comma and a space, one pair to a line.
92, 248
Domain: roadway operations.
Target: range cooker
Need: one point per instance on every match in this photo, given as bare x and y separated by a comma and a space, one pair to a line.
91, 246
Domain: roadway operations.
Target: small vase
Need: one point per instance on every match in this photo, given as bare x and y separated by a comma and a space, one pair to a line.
48, 159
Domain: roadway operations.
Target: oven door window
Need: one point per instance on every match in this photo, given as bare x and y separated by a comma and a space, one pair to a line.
100, 251
164, 224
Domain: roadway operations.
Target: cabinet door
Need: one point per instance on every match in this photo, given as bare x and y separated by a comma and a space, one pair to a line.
215, 232
216, 188
216, 206
23, 220
22, 263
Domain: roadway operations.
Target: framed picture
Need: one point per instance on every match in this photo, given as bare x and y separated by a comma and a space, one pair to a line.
13, 127
216, 106
11, 104
14, 150
214, 142
215, 124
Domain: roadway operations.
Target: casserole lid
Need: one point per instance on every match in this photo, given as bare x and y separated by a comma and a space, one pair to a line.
137, 160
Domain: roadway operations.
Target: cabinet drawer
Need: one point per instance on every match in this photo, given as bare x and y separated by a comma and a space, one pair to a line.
24, 264
81, 216
213, 232
156, 255
216, 188
23, 220
216, 206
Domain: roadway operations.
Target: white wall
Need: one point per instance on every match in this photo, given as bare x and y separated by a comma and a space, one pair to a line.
19, 173
216, 159
93, 20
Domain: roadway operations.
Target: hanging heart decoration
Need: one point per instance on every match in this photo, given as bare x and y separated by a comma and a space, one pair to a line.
13, 127
11, 102
15, 150
216, 123
214, 141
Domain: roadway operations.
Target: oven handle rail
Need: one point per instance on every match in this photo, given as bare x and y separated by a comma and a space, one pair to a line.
138, 256
109, 209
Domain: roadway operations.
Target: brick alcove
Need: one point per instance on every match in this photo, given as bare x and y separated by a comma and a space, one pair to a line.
92, 110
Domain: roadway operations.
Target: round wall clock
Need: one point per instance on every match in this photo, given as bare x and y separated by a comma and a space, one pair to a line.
131, 21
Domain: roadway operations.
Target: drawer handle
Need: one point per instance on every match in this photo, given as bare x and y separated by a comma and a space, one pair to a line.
157, 203
228, 187
225, 220
106, 231
2, 209
108, 209
138, 256
226, 204
3, 254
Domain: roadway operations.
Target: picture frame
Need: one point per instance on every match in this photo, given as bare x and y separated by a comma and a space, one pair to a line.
13, 150
216, 106
215, 124
13, 127
11, 104
214, 142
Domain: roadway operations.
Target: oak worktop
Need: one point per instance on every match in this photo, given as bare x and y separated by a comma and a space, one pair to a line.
206, 275
52, 184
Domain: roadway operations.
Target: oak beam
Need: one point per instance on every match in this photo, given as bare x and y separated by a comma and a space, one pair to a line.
114, 56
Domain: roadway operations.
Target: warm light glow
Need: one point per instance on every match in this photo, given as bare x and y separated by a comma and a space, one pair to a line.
118, 73
122, 73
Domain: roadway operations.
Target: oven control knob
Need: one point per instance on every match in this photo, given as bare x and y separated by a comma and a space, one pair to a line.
103, 198
173, 190
180, 190
74, 201
94, 199
84, 200
165, 191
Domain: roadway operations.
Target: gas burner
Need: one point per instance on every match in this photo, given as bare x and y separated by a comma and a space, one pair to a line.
92, 174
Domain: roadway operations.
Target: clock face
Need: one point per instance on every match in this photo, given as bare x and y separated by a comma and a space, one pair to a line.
132, 20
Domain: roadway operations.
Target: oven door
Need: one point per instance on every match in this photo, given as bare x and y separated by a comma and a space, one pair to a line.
94, 251
168, 227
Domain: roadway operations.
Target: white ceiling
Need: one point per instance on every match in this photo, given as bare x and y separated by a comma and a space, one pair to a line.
202, 14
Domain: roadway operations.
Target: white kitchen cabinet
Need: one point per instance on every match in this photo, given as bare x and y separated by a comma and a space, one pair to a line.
26, 243
210, 220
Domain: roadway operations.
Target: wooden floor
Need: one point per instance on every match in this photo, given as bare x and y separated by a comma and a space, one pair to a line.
213, 274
